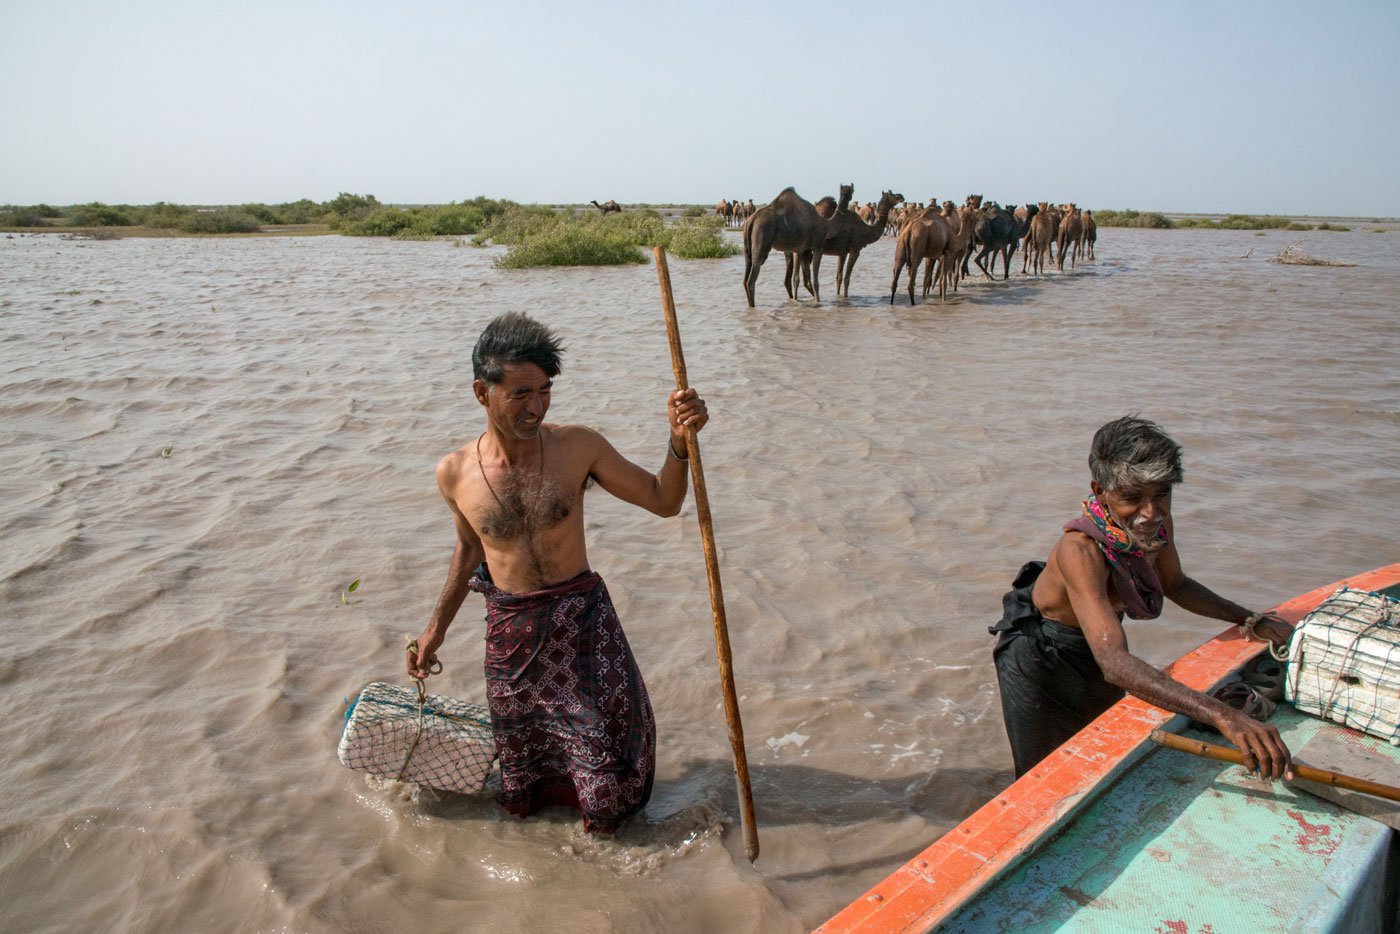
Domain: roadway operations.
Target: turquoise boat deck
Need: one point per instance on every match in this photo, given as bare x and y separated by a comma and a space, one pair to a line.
1183, 845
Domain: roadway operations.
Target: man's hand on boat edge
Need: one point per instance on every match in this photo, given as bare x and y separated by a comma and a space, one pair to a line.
1264, 750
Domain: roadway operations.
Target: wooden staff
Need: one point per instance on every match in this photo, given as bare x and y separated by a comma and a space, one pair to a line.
707, 537
1322, 776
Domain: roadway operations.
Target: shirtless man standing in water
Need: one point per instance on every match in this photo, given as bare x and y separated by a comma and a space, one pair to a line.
570, 714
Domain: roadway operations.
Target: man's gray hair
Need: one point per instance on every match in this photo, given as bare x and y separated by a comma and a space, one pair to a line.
1130, 451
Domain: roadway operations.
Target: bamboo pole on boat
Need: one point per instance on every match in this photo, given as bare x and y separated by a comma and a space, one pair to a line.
1322, 776
707, 537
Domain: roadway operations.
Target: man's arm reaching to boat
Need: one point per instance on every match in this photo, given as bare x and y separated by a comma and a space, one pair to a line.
1086, 579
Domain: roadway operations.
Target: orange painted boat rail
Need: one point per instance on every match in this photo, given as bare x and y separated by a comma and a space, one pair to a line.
943, 877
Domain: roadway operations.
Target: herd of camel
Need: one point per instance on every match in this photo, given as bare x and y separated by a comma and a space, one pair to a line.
943, 239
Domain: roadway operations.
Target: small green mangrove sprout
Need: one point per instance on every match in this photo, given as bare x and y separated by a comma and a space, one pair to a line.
345, 594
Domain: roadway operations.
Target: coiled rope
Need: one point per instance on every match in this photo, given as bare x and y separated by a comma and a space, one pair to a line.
434, 668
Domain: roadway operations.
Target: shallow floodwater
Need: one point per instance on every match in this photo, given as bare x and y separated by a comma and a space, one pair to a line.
203, 442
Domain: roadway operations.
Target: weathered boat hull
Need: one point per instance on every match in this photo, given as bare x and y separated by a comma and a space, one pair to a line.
1179, 845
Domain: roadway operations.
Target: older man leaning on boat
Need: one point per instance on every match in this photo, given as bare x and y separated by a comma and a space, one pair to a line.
1061, 655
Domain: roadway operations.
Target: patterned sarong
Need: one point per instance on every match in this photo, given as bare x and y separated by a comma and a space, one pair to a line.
569, 710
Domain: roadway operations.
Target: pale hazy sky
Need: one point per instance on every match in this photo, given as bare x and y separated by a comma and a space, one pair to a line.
1283, 107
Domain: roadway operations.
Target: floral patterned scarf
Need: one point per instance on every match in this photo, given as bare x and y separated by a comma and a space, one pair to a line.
1116, 543
1133, 572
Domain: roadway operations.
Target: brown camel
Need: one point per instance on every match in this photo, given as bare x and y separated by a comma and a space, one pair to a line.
724, 210
962, 229
1071, 230
796, 263
848, 233
1024, 216
1041, 235
607, 207
923, 238
1091, 231
1057, 214
788, 223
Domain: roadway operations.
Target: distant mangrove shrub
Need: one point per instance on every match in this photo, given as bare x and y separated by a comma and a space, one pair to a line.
450, 220
221, 221
260, 212
701, 238
98, 214
164, 216
571, 245
520, 222
1298, 226
1132, 219
304, 211
346, 208
1253, 222
15, 216
694, 210
384, 222
1239, 222
641, 228
1326, 226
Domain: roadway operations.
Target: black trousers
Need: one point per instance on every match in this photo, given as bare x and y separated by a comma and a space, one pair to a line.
1051, 686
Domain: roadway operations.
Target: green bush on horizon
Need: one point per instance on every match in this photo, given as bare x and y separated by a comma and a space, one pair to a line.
1254, 222
519, 222
1327, 226
641, 228
97, 214
1132, 218
571, 245
302, 211
164, 216
384, 222
16, 216
346, 208
701, 237
450, 220
225, 220
1297, 225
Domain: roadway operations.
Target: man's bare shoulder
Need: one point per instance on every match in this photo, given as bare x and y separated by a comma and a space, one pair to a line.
577, 439
450, 467
575, 433
1075, 554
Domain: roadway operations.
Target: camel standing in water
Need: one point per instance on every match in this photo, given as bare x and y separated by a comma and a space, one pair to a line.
997, 234
788, 223
725, 210
849, 233
1041, 235
1071, 230
607, 207
962, 233
923, 238
1091, 232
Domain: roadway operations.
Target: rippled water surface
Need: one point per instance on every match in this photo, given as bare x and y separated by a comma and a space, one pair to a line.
202, 442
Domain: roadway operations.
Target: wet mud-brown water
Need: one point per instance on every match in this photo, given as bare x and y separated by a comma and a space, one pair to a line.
203, 442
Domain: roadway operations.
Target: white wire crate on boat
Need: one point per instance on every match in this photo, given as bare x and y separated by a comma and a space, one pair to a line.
1344, 663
